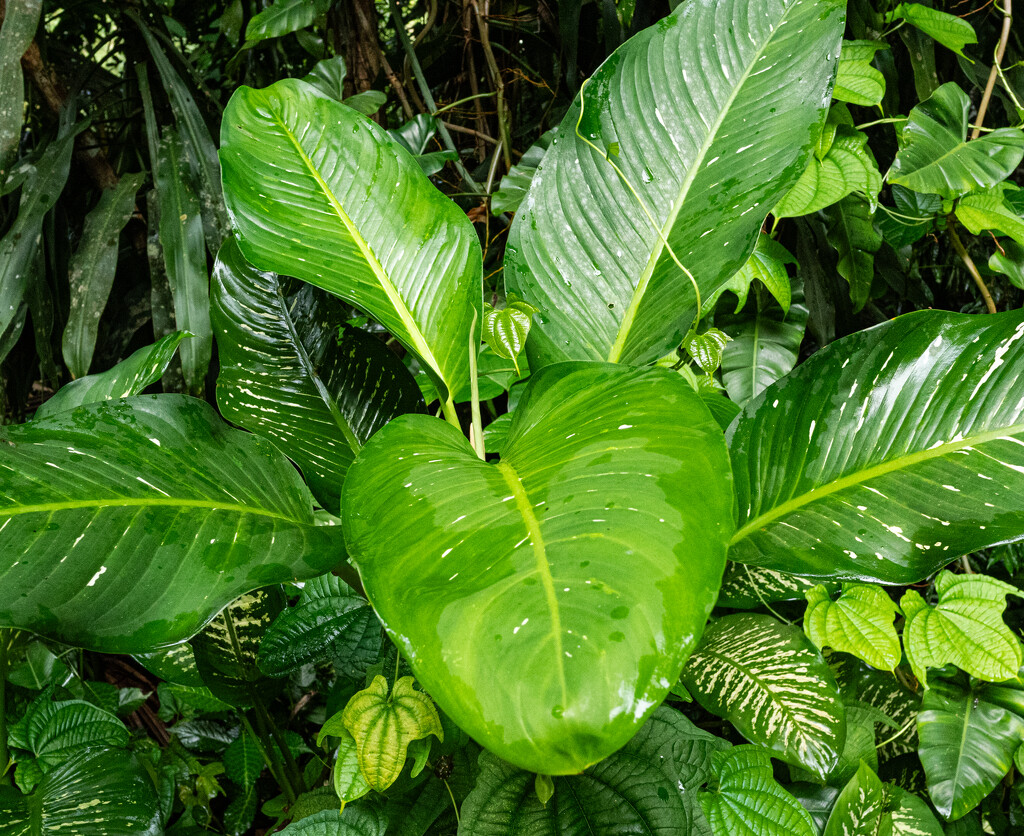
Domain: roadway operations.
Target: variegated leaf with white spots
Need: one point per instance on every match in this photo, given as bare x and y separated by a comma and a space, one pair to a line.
773, 685
747, 587
889, 453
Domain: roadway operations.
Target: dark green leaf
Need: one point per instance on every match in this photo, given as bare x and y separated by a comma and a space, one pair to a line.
19, 27
852, 234
243, 762
54, 731
516, 183
746, 587
282, 18
860, 808
352, 821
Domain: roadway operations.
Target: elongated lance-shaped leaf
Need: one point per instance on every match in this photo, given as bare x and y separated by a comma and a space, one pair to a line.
773, 685
860, 622
19, 27
746, 587
91, 272
127, 525
293, 371
860, 808
688, 112
887, 454
586, 561
318, 191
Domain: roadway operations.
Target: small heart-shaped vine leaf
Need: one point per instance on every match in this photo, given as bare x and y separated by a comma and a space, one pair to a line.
860, 622
506, 330
706, 349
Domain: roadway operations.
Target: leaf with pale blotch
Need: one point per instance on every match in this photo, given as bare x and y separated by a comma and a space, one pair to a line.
748, 799
706, 348
383, 725
860, 622
910, 815
949, 30
773, 685
979, 211
746, 587
857, 82
506, 330
965, 628
860, 808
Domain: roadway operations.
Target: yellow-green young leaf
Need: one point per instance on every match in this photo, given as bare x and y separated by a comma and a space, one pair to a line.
349, 782
544, 785
988, 210
706, 349
505, 331
383, 726
860, 622
857, 82
965, 628
949, 30
768, 263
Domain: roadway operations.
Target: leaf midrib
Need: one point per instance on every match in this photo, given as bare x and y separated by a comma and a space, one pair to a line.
861, 476
137, 502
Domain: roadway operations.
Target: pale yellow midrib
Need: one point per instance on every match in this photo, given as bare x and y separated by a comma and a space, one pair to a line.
137, 502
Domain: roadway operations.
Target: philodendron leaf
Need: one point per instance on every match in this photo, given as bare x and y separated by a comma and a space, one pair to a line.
115, 537
54, 731
506, 330
331, 386
295, 166
857, 82
773, 685
767, 263
860, 622
949, 30
129, 377
98, 792
690, 108
967, 745
936, 157
989, 210
1010, 262
892, 451
590, 554
965, 628
383, 725
350, 822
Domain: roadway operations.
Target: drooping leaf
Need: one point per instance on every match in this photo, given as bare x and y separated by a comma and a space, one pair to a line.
39, 669
860, 622
748, 799
19, 27
350, 822
965, 628
949, 30
176, 664
506, 330
1010, 262
367, 103
689, 106
516, 183
129, 377
913, 219
746, 587
402, 251
936, 157
851, 232
283, 17
476, 567
141, 545
291, 370
857, 82
893, 451
54, 731
989, 210
767, 263
243, 762
773, 685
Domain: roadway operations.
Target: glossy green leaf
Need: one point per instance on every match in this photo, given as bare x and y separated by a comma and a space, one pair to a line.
746, 587
1010, 262
129, 377
292, 371
347, 778
350, 822
851, 232
690, 107
506, 330
860, 808
859, 622
328, 76
949, 30
773, 685
141, 544
91, 271
910, 815
586, 561
19, 27
936, 157
989, 210
914, 217
748, 801
176, 664
283, 17
965, 628
367, 103
868, 686
99, 792
54, 731
891, 451
39, 669
400, 251
767, 263
705, 349
243, 762
967, 745
861, 720
514, 185
857, 82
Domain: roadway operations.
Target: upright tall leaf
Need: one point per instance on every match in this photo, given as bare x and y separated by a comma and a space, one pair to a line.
318, 191
888, 454
688, 111
851, 232
19, 27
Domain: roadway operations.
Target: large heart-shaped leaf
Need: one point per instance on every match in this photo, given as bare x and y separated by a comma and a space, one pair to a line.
887, 454
320, 192
291, 370
128, 524
54, 731
582, 566
688, 112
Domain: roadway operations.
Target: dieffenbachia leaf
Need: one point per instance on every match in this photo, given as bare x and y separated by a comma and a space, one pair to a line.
936, 157
967, 745
910, 815
892, 451
965, 628
748, 800
851, 231
54, 731
859, 622
860, 745
979, 211
115, 535
296, 164
176, 664
506, 330
949, 30
689, 108
866, 807
746, 587
383, 725
773, 685
596, 541
292, 371
879, 690
857, 82
129, 377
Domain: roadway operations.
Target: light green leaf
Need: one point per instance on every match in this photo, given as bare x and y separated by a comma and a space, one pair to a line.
949, 30
748, 800
19, 27
859, 622
706, 348
476, 567
989, 210
965, 628
860, 808
159, 544
243, 762
506, 330
367, 103
935, 156
282, 18
383, 725
129, 377
893, 451
851, 232
348, 780
691, 106
857, 82
351, 822
516, 183
328, 76
767, 263
766, 679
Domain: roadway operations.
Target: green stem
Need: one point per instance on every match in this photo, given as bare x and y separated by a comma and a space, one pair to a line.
272, 763
291, 768
462, 101
5, 758
887, 121
972, 268
474, 388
